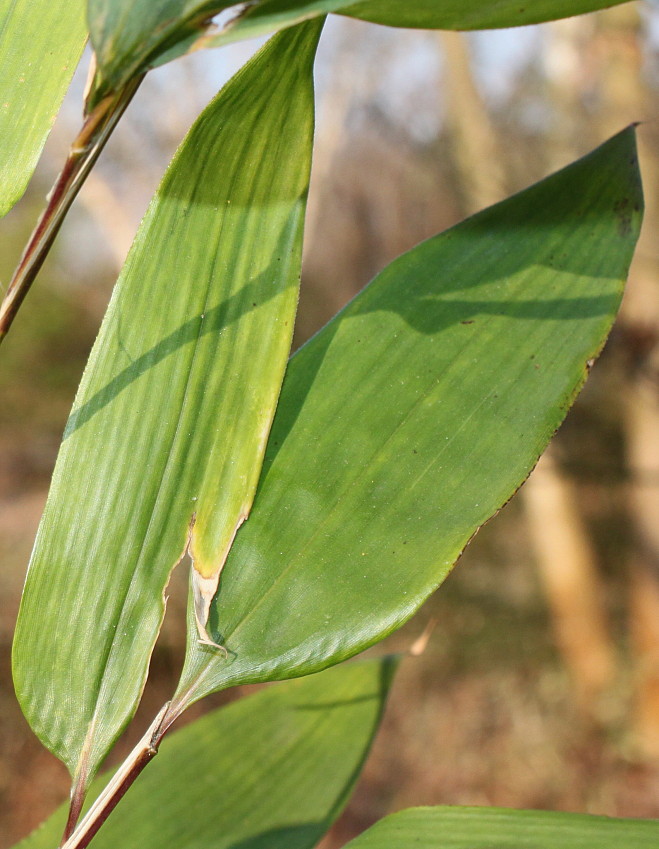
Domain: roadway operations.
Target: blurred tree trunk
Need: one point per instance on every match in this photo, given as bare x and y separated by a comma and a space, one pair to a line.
625, 99
475, 146
563, 549
569, 574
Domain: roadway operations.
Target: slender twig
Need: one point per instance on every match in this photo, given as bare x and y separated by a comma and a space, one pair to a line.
106, 802
79, 837
85, 150
75, 809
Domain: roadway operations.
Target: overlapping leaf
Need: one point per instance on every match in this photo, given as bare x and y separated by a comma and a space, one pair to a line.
129, 37
271, 770
40, 44
414, 415
492, 828
163, 448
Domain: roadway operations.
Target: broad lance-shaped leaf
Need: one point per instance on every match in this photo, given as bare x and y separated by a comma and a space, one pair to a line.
130, 36
271, 770
414, 415
40, 44
164, 445
501, 828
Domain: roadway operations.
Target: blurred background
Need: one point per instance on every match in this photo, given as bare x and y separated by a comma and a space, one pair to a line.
539, 686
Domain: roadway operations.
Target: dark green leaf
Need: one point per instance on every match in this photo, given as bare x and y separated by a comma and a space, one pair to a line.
414, 416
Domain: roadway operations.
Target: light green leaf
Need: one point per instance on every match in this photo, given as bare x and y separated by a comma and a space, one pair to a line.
414, 416
272, 770
164, 445
129, 37
40, 45
499, 828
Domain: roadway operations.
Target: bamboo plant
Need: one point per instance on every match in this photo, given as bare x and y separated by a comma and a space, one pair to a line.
364, 463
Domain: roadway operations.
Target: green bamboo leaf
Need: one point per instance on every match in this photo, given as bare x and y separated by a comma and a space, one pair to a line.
475, 14
164, 445
269, 15
272, 770
130, 37
414, 415
499, 828
40, 45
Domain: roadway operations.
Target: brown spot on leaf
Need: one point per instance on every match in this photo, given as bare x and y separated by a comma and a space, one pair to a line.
622, 212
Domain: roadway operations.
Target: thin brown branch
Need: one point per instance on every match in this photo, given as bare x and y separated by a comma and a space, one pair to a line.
107, 801
75, 809
85, 150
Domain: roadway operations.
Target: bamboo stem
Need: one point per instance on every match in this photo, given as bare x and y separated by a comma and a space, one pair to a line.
85, 150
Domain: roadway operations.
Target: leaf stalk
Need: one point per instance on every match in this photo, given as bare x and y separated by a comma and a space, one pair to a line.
121, 781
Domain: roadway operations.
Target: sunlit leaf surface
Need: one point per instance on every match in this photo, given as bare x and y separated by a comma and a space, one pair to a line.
164, 445
40, 44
